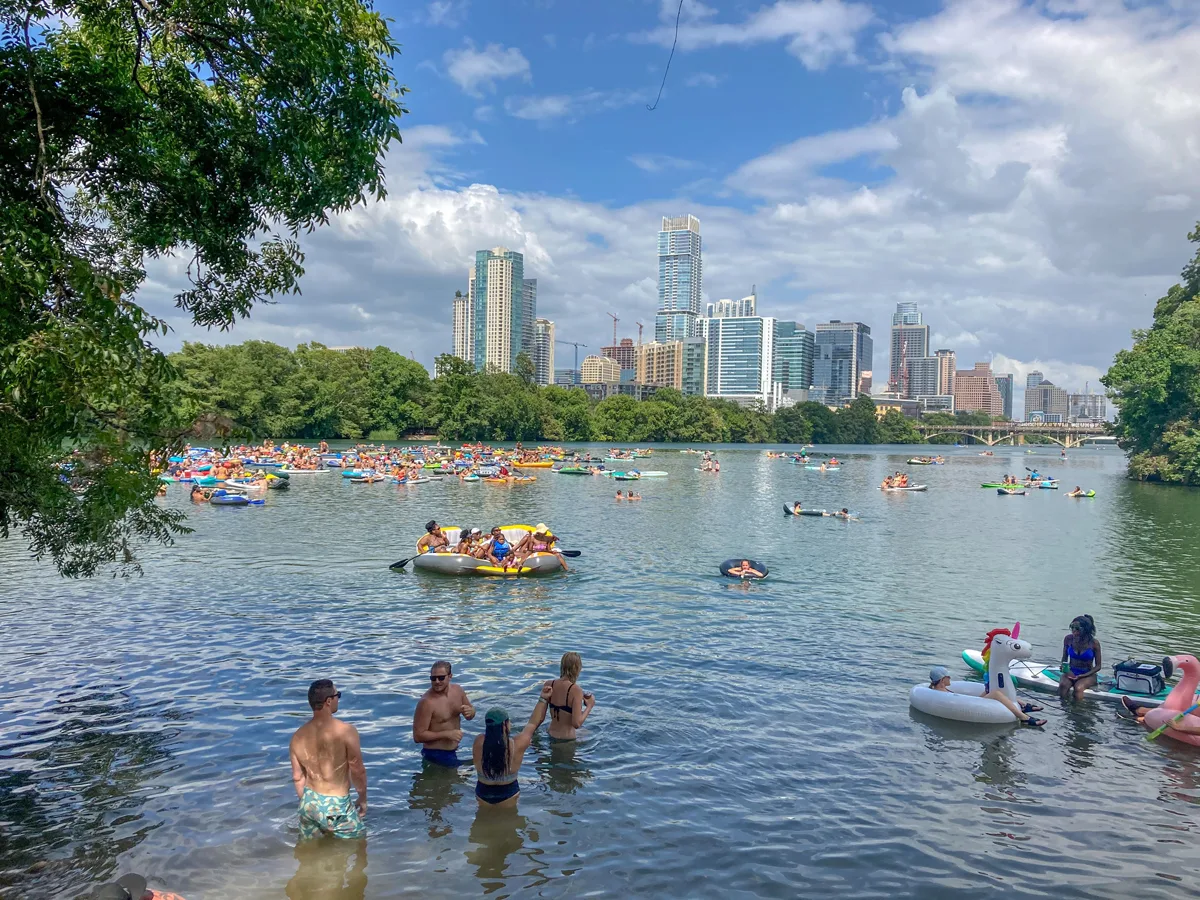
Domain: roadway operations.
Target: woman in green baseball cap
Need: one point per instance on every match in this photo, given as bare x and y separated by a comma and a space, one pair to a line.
497, 754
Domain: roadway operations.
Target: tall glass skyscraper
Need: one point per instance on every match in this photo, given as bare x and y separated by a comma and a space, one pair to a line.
842, 367
741, 353
500, 305
794, 346
910, 340
680, 273
543, 351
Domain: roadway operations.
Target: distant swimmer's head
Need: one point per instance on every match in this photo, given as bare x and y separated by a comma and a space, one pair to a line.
937, 675
570, 666
322, 692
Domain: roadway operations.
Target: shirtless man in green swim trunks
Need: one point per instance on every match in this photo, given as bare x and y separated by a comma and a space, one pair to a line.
326, 760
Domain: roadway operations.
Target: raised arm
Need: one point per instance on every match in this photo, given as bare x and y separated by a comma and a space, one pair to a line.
299, 779
521, 741
467, 708
356, 767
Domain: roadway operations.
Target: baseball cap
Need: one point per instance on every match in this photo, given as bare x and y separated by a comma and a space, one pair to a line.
497, 715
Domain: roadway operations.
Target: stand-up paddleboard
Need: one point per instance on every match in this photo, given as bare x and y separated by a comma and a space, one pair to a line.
911, 487
1045, 678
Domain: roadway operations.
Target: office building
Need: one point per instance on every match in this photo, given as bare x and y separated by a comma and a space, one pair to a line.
937, 403
566, 377
1032, 380
1087, 408
922, 376
500, 302
909, 340
604, 390
543, 351
841, 361
1045, 402
793, 365
680, 273
695, 366
741, 356
975, 391
464, 332
660, 364
1004, 384
732, 309
947, 363
599, 370
624, 353
529, 318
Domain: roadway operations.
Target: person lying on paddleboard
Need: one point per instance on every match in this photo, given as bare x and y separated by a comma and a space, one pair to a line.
939, 680
1081, 663
745, 570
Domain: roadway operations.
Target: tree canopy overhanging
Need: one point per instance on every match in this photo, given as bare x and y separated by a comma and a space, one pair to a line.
1155, 386
212, 131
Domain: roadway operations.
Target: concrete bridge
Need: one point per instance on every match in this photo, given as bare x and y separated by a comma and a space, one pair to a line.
1067, 436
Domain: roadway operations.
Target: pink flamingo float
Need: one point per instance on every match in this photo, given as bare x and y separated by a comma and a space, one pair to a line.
1182, 697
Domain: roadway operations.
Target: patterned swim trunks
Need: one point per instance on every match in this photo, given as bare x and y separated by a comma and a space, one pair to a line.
323, 814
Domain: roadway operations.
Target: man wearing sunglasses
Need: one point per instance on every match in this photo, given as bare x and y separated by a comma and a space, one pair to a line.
436, 721
326, 760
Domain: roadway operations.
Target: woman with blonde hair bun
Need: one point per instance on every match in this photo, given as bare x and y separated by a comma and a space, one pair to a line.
570, 705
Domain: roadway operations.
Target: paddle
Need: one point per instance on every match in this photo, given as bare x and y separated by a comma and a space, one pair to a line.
1157, 731
404, 562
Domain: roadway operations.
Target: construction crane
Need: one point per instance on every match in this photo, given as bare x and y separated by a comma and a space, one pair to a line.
576, 345
639, 325
615, 321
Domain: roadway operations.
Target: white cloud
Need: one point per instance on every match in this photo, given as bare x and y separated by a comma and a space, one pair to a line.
660, 162
817, 32
450, 13
542, 108
703, 79
790, 170
476, 71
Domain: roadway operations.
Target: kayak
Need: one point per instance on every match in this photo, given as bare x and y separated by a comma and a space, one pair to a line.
788, 511
1088, 494
734, 563
1045, 678
626, 476
638, 472
1005, 493
573, 470
923, 462
911, 487
993, 484
471, 478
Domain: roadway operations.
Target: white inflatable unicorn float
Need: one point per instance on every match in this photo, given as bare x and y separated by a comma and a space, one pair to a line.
970, 701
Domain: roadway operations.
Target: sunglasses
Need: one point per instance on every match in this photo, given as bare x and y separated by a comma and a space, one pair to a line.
438, 677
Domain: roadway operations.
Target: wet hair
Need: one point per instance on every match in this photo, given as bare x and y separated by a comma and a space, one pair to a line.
570, 665
320, 691
1087, 627
494, 757
441, 664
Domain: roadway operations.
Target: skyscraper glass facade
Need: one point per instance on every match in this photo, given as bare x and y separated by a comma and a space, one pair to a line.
680, 279
794, 348
1004, 384
500, 304
843, 356
741, 353
543, 352
529, 318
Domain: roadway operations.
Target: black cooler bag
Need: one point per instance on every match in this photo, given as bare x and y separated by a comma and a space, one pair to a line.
1138, 677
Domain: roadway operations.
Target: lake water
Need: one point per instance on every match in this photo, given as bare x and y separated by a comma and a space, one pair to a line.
749, 740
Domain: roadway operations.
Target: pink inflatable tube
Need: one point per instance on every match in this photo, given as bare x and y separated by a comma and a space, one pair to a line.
1182, 697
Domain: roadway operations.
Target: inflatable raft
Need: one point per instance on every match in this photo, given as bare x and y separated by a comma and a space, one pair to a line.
1084, 495
1045, 678
790, 511
1003, 492
447, 563
734, 563
965, 701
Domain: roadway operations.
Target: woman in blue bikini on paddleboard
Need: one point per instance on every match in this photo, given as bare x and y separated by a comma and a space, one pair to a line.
1081, 662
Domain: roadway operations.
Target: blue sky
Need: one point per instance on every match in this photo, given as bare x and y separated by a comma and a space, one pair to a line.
1026, 171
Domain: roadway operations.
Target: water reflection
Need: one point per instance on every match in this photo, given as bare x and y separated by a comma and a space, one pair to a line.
435, 789
558, 765
1082, 741
330, 869
500, 832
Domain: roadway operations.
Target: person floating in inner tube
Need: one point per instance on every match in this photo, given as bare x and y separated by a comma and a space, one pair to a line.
433, 539
939, 680
1081, 664
745, 570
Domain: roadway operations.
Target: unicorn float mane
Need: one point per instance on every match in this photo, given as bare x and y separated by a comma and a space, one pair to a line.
987, 647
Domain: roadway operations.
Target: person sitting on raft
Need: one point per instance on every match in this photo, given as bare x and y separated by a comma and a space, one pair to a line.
433, 539
745, 570
576, 703
540, 540
499, 550
466, 545
887, 483
497, 755
939, 680
1081, 663
436, 721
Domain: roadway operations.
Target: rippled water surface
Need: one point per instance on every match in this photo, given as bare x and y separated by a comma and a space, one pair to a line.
748, 740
